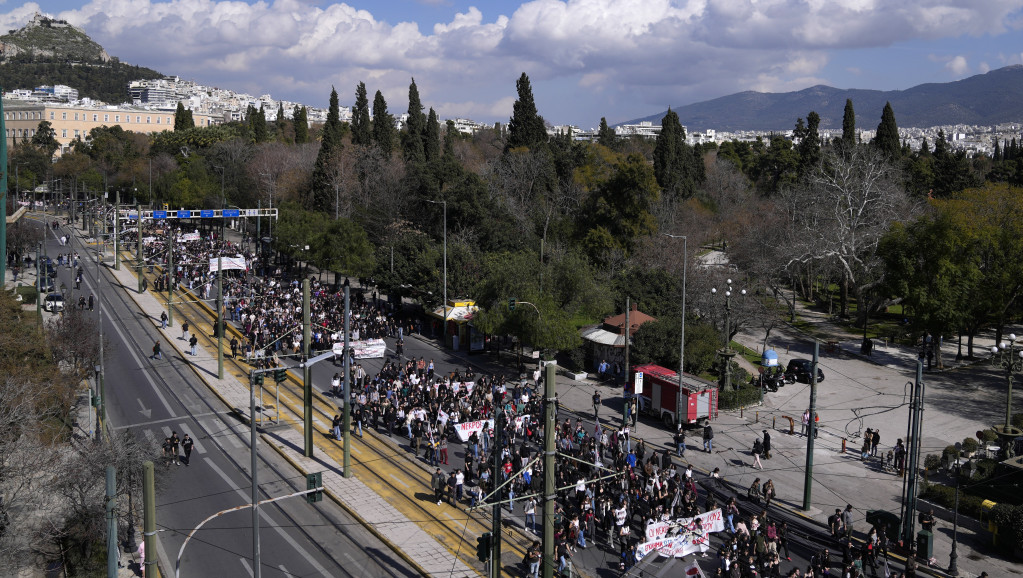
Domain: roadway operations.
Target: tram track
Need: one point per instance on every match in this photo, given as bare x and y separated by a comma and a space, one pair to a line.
380, 462
169, 377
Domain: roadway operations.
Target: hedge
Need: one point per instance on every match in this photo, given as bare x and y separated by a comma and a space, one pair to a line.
743, 397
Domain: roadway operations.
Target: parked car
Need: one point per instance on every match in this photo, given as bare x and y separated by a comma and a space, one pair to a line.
799, 370
54, 302
46, 285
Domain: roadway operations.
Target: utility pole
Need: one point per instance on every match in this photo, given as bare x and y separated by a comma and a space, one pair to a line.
138, 245
812, 432
39, 283
307, 377
151, 569
220, 317
625, 383
253, 440
170, 275
117, 214
346, 410
549, 494
914, 456
495, 496
3, 199
111, 503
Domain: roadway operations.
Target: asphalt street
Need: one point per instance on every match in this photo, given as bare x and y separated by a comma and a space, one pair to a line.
151, 398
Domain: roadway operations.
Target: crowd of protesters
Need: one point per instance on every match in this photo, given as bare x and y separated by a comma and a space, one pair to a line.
609, 487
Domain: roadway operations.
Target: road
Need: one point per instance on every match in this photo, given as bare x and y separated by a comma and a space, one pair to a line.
152, 398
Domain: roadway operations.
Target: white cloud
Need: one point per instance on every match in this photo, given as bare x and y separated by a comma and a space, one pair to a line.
634, 53
957, 65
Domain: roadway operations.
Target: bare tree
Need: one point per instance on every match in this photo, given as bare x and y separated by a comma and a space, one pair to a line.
841, 214
74, 340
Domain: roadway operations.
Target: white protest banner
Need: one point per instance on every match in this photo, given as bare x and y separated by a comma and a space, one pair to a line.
675, 546
712, 521
189, 237
657, 530
442, 417
365, 349
227, 263
466, 428
148, 240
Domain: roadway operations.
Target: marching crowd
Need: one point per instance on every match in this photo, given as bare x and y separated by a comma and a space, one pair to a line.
609, 487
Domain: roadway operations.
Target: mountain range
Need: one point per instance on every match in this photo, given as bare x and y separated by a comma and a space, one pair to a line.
983, 99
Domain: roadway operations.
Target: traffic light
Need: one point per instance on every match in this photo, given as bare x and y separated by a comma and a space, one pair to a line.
313, 481
511, 304
483, 545
280, 375
257, 379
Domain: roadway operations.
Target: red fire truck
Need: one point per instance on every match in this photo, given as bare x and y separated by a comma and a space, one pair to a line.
660, 396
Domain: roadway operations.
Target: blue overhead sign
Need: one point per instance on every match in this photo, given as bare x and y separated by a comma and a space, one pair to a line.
159, 214
206, 214
230, 212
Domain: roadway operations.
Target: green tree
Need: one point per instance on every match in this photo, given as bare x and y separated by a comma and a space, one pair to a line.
431, 138
606, 135
343, 247
886, 139
301, 120
526, 127
330, 145
45, 138
677, 166
258, 123
618, 211
848, 126
809, 147
450, 134
361, 132
183, 118
415, 128
383, 125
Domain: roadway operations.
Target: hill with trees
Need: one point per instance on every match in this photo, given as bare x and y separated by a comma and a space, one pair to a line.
47, 52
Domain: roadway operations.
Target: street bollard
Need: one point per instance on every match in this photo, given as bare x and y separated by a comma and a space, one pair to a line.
757, 420
843, 445
792, 425
774, 422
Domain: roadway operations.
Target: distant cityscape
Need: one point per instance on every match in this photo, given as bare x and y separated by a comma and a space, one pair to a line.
213, 105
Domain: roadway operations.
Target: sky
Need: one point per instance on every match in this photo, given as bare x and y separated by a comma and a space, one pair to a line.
586, 59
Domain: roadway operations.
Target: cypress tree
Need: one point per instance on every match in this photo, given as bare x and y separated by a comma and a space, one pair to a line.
997, 156
432, 138
848, 126
887, 137
526, 127
606, 136
415, 128
360, 117
281, 121
449, 139
809, 147
301, 122
330, 143
259, 130
183, 118
383, 125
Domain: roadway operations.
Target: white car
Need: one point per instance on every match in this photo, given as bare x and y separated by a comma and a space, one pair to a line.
54, 302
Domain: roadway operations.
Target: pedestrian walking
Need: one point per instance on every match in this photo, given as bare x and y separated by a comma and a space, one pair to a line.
193, 343
768, 491
91, 301
596, 405
234, 348
805, 425
758, 448
335, 427
708, 439
875, 440
680, 441
438, 482
175, 445
530, 520
847, 520
163, 320
186, 445
157, 354
767, 444
184, 331
754, 492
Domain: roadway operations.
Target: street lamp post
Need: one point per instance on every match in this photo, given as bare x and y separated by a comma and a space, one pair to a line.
1009, 357
726, 352
682, 342
445, 324
953, 557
